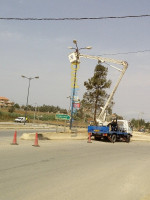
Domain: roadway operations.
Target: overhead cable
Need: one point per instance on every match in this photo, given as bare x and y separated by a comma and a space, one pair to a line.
72, 18
130, 52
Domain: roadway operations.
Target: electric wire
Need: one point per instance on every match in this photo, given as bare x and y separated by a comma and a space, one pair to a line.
73, 18
83, 18
130, 52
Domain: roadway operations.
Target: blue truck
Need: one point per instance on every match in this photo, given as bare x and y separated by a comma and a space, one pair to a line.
123, 132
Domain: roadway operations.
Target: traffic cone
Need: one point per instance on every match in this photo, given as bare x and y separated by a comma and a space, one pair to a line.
89, 138
36, 141
15, 139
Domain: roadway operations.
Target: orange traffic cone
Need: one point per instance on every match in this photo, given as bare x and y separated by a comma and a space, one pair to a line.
89, 138
15, 139
36, 141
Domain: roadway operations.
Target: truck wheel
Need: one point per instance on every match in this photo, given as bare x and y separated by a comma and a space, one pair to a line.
95, 137
128, 138
113, 138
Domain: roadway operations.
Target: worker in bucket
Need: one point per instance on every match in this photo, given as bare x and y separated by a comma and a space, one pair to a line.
113, 125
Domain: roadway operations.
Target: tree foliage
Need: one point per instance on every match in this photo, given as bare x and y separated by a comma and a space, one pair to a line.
96, 95
45, 108
11, 109
54, 109
140, 123
16, 105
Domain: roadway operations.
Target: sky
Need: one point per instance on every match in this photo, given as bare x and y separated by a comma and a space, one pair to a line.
40, 48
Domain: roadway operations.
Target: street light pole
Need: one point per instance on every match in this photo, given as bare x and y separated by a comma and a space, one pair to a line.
75, 76
140, 113
75, 79
69, 97
35, 111
29, 78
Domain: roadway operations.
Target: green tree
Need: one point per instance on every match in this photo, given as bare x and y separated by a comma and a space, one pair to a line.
54, 109
11, 109
79, 114
16, 105
96, 94
139, 123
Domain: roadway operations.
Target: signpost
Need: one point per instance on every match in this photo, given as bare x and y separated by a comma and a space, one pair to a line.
76, 105
62, 116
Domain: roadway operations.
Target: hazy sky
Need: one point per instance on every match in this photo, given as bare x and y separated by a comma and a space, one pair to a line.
39, 48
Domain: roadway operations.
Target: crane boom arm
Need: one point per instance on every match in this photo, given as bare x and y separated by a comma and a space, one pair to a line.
109, 60
102, 115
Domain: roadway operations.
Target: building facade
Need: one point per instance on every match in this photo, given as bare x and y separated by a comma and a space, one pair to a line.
5, 102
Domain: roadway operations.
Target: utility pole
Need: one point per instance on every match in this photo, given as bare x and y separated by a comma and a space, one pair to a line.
75, 76
29, 79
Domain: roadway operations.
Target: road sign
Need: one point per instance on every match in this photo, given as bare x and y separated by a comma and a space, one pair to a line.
76, 105
62, 116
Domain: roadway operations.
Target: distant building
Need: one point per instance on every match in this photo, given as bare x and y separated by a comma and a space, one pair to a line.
5, 102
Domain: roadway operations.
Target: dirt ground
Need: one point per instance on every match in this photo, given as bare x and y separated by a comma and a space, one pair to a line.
80, 134
141, 136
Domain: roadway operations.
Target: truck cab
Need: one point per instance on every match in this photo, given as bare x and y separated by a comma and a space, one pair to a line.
124, 125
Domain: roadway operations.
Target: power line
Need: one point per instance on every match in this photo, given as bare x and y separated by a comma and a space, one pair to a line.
130, 52
72, 18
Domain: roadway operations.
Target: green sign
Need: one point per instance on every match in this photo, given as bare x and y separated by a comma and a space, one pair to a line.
62, 117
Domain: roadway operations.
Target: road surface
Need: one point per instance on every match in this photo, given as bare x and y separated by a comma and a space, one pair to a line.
9, 133
75, 170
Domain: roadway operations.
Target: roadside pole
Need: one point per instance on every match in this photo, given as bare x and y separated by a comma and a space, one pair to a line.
62, 117
57, 127
65, 126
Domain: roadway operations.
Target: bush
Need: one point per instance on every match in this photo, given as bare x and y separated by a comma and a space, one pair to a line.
8, 116
11, 109
47, 117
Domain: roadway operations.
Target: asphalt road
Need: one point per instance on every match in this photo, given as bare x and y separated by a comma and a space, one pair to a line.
6, 136
9, 133
75, 170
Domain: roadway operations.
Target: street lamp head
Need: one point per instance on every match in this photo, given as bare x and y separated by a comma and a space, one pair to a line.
30, 78
75, 41
89, 47
71, 48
